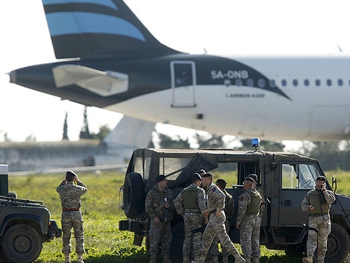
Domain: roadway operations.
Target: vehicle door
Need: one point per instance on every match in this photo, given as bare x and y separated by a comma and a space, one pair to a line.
296, 180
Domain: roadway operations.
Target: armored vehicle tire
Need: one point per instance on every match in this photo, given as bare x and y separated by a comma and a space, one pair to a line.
337, 244
21, 243
177, 243
134, 195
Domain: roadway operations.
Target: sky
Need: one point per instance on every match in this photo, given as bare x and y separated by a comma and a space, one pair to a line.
249, 27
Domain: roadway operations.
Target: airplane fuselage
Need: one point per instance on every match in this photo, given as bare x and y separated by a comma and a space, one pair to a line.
275, 98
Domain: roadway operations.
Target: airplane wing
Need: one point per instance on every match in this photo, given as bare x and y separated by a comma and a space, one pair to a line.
104, 83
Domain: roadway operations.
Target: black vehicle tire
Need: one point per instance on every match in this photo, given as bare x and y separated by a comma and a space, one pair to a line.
134, 195
177, 243
338, 244
21, 243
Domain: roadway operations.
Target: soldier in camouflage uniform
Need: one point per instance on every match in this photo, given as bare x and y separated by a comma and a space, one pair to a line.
260, 191
213, 252
190, 204
159, 206
248, 221
317, 203
229, 206
70, 194
216, 224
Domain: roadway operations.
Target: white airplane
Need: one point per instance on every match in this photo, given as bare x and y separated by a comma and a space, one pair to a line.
108, 59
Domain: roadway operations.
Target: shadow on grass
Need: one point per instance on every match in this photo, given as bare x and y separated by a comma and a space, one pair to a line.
279, 259
143, 257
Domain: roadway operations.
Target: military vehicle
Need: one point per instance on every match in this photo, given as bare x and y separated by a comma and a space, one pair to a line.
24, 225
285, 178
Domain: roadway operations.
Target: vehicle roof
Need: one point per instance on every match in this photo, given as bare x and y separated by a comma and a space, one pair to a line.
226, 152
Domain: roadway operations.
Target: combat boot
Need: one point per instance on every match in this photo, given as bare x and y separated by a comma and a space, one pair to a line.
166, 259
153, 258
307, 260
80, 258
66, 258
255, 260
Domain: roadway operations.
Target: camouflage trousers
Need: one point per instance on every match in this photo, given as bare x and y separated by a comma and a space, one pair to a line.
216, 226
192, 242
249, 235
318, 240
213, 253
73, 219
160, 233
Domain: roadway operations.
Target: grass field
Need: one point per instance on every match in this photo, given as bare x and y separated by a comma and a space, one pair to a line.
103, 241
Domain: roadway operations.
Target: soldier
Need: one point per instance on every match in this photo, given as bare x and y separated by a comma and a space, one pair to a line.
190, 204
70, 191
248, 221
213, 252
260, 191
159, 206
216, 224
318, 202
229, 206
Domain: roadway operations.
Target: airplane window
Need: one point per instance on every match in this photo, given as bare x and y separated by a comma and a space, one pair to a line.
238, 82
250, 82
306, 82
329, 82
261, 83
272, 83
318, 82
227, 82
295, 82
284, 82
340, 82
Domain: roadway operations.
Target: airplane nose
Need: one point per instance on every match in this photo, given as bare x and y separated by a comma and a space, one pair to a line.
13, 76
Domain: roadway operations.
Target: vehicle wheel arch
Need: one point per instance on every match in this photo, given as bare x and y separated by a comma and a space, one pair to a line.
32, 221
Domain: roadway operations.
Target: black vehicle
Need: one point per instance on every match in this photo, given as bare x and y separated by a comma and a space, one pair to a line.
285, 178
24, 225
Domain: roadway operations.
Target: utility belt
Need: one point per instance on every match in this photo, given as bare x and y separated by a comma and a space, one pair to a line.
317, 214
192, 211
70, 209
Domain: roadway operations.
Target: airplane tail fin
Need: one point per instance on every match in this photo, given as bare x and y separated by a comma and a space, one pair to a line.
129, 133
87, 28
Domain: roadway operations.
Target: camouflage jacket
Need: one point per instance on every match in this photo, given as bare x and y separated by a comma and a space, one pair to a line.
70, 194
243, 203
328, 196
216, 198
154, 204
180, 199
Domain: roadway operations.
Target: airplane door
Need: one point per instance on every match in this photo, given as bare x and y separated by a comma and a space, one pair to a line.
183, 83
